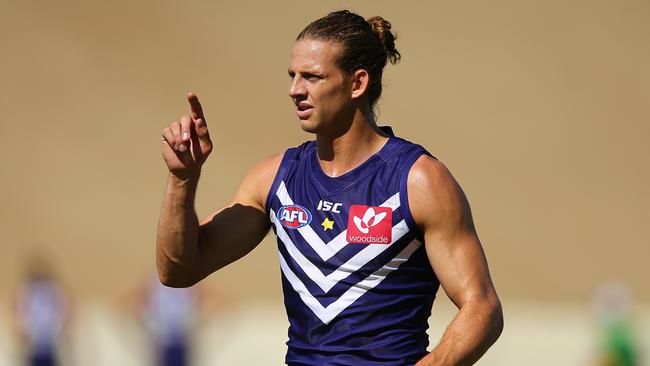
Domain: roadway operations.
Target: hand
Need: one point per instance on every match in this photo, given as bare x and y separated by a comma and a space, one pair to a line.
185, 145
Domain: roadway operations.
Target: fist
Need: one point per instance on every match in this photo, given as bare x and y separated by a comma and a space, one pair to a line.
186, 144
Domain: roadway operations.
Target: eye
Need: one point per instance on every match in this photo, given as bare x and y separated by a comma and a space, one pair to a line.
292, 74
312, 77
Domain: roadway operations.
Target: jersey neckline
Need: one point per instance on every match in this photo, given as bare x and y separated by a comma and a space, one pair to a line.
335, 184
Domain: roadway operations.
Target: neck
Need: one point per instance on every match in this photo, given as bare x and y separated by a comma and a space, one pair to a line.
340, 153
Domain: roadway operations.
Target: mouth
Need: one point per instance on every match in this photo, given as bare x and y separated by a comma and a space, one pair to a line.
304, 110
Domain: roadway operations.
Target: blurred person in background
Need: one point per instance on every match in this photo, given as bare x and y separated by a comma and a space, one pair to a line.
42, 314
170, 317
369, 225
168, 314
613, 306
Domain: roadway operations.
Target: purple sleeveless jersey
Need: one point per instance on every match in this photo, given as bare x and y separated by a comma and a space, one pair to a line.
358, 286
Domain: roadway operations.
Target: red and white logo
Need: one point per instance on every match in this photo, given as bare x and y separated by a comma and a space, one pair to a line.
370, 225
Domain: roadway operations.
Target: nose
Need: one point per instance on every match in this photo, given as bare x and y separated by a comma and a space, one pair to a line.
297, 88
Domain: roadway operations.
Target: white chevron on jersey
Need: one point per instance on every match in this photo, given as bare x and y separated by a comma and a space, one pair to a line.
352, 265
326, 251
327, 313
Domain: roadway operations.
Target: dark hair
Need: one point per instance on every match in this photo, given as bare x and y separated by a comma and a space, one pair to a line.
367, 44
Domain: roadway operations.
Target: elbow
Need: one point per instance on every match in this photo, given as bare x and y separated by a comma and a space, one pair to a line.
174, 273
176, 277
496, 318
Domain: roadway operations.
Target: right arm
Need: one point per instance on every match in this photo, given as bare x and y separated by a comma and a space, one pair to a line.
188, 250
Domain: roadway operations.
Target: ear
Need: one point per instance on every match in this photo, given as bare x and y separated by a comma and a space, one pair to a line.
360, 81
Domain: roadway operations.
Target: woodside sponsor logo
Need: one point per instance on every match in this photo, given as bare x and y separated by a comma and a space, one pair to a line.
370, 225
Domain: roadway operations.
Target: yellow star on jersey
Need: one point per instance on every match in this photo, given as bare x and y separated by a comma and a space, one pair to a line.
328, 224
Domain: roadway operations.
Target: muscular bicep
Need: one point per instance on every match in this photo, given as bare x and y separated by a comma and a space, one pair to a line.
442, 212
460, 265
233, 231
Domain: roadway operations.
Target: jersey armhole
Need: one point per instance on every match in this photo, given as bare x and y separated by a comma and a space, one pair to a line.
287, 161
409, 160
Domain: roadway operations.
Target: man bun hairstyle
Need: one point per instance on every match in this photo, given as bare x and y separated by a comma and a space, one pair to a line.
381, 27
366, 44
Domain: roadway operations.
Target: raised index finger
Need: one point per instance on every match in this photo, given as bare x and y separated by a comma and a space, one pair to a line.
195, 105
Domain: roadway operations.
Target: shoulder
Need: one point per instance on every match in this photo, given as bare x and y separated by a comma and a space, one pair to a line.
260, 177
403, 153
255, 186
267, 167
433, 193
428, 172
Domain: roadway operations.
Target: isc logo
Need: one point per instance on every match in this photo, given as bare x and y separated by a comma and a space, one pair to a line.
294, 216
329, 206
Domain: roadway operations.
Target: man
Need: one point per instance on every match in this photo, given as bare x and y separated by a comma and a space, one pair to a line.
42, 315
368, 224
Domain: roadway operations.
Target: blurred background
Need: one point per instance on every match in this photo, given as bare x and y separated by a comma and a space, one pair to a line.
540, 108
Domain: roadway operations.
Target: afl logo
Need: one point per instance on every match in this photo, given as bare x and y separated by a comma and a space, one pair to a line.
294, 216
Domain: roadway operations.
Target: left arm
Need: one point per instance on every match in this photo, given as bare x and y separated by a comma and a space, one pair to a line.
441, 211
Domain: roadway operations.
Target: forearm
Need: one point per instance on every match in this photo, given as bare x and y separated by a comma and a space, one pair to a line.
473, 330
177, 244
